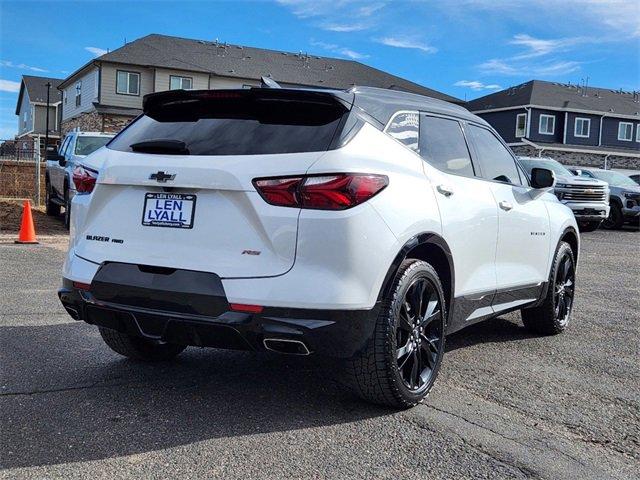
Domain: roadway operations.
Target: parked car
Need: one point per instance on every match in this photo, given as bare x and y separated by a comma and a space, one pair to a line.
624, 196
588, 198
59, 186
364, 225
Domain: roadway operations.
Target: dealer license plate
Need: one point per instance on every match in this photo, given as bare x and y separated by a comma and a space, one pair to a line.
174, 210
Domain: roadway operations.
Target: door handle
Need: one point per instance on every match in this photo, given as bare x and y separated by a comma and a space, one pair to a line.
445, 190
505, 205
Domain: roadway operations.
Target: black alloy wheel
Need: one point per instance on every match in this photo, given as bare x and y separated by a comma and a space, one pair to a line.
564, 289
418, 335
400, 362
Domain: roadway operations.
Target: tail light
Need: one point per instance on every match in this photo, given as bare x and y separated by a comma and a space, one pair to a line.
321, 192
84, 179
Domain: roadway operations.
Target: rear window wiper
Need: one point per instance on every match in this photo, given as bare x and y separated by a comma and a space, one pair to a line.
175, 147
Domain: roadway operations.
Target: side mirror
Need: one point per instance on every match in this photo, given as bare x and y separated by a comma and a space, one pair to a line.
542, 178
56, 157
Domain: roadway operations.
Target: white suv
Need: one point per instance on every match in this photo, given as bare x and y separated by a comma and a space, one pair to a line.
364, 224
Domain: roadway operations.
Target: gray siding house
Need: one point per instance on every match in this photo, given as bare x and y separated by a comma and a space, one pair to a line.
31, 109
106, 93
574, 124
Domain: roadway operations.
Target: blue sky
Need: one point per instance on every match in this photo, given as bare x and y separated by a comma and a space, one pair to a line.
466, 48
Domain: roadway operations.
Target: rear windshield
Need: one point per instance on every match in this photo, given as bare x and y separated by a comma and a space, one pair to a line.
86, 145
233, 123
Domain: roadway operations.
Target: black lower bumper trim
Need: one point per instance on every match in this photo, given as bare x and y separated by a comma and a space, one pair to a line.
334, 333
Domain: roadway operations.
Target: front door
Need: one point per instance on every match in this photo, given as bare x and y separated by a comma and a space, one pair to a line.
523, 242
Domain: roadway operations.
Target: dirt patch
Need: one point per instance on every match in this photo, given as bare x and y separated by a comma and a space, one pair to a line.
11, 216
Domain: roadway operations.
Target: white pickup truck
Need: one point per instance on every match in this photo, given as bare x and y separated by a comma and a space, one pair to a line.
58, 178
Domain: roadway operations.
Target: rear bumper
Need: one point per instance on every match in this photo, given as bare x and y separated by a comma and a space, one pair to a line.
333, 333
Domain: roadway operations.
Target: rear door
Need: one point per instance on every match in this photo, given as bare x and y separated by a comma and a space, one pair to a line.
175, 187
523, 222
467, 207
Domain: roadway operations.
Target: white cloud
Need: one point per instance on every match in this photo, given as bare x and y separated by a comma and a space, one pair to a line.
97, 52
537, 69
344, 51
616, 19
405, 42
344, 27
538, 47
21, 66
369, 10
9, 86
476, 85
332, 13
623, 16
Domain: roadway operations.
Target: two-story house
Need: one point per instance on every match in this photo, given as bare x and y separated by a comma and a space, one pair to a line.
106, 93
31, 110
573, 124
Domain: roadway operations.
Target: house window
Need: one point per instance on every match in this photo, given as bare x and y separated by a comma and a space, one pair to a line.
582, 127
625, 131
180, 83
547, 124
78, 93
128, 83
638, 133
24, 119
521, 125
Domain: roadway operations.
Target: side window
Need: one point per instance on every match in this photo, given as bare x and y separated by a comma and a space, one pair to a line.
495, 160
405, 127
442, 145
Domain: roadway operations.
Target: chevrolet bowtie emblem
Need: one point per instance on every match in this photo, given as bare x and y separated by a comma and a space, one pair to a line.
162, 177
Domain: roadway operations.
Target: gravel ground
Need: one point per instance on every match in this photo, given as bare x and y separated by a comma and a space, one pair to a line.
506, 404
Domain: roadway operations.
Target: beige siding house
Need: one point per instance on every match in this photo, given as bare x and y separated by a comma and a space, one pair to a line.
107, 93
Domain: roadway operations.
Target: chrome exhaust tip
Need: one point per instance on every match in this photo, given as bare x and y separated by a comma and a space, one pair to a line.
286, 345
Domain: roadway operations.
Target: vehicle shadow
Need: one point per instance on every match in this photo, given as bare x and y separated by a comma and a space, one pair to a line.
67, 398
496, 330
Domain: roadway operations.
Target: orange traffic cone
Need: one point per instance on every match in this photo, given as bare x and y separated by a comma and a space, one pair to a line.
27, 230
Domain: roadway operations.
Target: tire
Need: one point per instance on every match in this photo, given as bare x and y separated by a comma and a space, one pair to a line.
615, 219
553, 315
589, 226
138, 348
53, 209
384, 371
67, 209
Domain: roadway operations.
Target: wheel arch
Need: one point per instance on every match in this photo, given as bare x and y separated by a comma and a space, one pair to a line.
570, 236
615, 199
433, 249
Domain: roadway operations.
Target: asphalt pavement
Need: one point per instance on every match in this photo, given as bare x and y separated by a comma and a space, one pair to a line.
506, 404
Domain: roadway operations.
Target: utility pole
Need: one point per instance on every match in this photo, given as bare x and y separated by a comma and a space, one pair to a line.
46, 128
46, 144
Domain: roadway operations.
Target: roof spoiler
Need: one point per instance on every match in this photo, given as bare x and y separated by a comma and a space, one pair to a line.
153, 101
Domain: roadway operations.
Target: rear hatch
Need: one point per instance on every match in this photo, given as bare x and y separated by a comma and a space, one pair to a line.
175, 187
